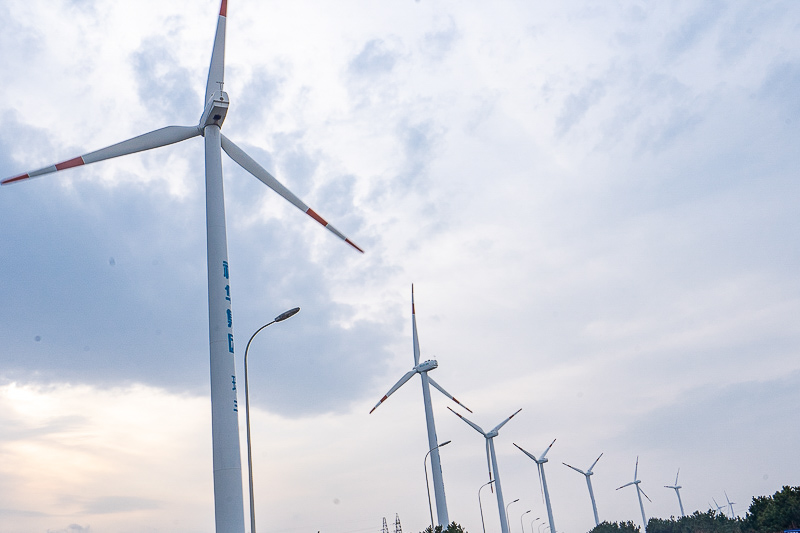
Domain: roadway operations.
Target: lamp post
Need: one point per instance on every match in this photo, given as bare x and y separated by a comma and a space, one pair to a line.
481, 506
427, 485
507, 506
280, 318
534, 521
522, 527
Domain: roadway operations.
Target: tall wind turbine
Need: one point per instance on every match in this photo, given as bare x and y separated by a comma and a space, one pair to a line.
543, 480
639, 492
677, 489
433, 444
491, 460
588, 475
718, 506
228, 499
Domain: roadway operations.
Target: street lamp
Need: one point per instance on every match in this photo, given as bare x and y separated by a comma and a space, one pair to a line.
427, 485
280, 318
481, 506
520, 521
507, 506
534, 521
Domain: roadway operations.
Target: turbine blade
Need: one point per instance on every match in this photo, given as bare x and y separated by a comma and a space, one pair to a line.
676, 477
643, 494
526, 452
432, 382
216, 71
625, 485
148, 141
636, 470
547, 449
474, 426
504, 422
594, 463
414, 328
575, 469
249, 164
397, 385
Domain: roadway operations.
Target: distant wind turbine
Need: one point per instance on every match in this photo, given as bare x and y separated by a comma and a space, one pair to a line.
491, 460
588, 475
226, 452
422, 369
677, 489
717, 505
639, 491
543, 480
730, 505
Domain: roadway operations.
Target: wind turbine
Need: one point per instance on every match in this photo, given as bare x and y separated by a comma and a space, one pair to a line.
228, 499
491, 460
543, 480
677, 489
717, 505
730, 505
639, 491
433, 445
588, 475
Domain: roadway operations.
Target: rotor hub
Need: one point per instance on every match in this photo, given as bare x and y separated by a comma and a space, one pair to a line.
216, 110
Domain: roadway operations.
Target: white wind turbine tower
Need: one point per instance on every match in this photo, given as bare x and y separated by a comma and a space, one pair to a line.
717, 505
433, 444
588, 475
639, 492
228, 499
543, 480
491, 460
677, 489
730, 505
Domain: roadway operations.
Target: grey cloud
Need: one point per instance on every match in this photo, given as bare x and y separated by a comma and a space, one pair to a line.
72, 528
438, 43
781, 87
375, 58
255, 102
577, 105
144, 319
164, 86
694, 28
703, 418
120, 504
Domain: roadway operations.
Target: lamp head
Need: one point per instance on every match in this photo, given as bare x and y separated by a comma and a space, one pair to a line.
287, 314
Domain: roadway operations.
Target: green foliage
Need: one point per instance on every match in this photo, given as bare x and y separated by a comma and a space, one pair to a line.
614, 527
708, 522
452, 528
771, 514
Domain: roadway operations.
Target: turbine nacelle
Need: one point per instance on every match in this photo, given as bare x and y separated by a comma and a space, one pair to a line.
216, 110
426, 366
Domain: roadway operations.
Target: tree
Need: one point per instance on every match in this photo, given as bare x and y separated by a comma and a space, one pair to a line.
614, 527
452, 528
770, 514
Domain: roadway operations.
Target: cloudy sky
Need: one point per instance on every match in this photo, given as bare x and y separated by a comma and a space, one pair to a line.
595, 201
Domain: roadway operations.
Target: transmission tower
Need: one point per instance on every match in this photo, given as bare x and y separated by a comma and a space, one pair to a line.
397, 527
385, 528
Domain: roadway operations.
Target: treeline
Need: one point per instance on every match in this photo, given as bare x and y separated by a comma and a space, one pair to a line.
767, 514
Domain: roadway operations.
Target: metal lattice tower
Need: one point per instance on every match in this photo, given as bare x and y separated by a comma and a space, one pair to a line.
397, 527
385, 528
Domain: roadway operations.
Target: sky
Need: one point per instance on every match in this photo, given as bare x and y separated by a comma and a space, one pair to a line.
596, 204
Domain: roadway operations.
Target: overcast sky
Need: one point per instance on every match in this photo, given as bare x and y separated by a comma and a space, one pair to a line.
597, 203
